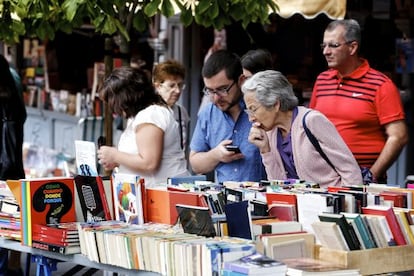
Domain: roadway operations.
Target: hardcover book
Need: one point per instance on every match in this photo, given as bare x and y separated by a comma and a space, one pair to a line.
360, 226
91, 193
347, 231
330, 235
46, 201
239, 222
196, 220
389, 214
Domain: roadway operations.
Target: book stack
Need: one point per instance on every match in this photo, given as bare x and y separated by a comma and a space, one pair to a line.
9, 214
255, 264
159, 248
62, 238
46, 201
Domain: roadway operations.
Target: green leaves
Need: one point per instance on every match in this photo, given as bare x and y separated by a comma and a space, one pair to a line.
44, 18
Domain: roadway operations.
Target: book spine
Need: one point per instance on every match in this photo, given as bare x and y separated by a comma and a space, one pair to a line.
49, 247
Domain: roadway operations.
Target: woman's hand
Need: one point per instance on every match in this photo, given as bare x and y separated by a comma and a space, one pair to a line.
258, 137
107, 157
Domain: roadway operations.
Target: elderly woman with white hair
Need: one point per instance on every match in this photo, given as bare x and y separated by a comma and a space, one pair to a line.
287, 150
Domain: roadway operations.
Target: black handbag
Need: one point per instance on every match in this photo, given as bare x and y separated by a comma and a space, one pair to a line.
11, 163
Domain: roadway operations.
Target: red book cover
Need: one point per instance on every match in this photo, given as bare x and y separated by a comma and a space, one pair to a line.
334, 189
55, 240
91, 193
399, 199
67, 230
389, 214
46, 201
282, 198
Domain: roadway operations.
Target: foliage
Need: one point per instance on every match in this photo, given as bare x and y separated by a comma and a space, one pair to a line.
43, 18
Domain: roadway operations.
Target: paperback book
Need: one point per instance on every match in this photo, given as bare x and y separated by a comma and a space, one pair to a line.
46, 201
128, 193
91, 193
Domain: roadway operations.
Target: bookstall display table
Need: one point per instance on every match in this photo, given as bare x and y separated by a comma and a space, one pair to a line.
46, 260
372, 261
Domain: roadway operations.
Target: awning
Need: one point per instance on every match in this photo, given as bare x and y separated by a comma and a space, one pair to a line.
334, 9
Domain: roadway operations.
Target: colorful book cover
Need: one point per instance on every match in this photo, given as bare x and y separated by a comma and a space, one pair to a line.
46, 201
92, 198
127, 192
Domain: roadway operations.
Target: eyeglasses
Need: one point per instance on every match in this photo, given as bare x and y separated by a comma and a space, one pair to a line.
173, 85
223, 91
333, 45
252, 112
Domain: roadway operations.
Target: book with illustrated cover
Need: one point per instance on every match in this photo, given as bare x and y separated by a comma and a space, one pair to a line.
128, 196
46, 201
196, 220
92, 198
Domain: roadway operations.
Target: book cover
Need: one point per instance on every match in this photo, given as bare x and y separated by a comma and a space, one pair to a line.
329, 235
348, 232
283, 211
46, 201
256, 263
92, 198
239, 222
268, 241
196, 220
389, 214
128, 199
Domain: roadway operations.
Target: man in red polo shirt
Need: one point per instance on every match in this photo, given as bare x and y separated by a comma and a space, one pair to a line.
363, 103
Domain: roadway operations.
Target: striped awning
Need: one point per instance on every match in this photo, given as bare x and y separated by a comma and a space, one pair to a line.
334, 9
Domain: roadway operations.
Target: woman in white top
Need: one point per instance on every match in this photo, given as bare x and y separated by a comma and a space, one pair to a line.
149, 145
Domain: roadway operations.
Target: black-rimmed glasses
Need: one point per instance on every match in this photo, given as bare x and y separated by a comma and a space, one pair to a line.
223, 91
334, 45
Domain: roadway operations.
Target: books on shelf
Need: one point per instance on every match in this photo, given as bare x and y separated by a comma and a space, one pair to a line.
389, 214
128, 197
92, 198
196, 220
46, 201
360, 227
347, 231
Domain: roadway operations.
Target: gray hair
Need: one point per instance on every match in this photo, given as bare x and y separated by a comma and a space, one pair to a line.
269, 87
352, 29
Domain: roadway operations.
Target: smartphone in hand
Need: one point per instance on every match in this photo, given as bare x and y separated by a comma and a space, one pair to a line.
233, 148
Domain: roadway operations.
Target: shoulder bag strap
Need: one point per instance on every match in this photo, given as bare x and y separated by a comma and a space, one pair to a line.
181, 126
315, 141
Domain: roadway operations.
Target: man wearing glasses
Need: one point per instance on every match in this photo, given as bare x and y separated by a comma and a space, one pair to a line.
223, 122
364, 104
